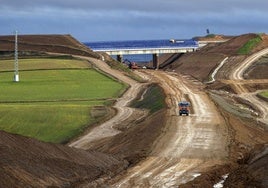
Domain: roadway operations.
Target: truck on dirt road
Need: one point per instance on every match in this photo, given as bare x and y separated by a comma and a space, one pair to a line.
184, 108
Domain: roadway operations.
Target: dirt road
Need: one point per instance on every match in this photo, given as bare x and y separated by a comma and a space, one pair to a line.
238, 81
123, 112
188, 145
237, 74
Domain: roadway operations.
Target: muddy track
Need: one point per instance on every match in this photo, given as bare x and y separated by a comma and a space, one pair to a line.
188, 145
123, 111
237, 80
237, 74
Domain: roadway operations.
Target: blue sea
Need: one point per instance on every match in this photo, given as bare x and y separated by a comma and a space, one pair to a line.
132, 44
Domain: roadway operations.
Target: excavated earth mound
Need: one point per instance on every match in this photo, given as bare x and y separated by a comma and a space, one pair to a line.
253, 172
201, 63
26, 162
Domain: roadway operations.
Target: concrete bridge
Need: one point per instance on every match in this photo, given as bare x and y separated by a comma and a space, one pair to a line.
154, 51
155, 48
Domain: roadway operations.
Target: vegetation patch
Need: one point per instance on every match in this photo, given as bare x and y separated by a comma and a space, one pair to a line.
44, 64
152, 99
58, 85
47, 122
210, 36
54, 98
263, 95
246, 48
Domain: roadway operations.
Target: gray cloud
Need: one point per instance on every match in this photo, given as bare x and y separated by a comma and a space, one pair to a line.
121, 19
145, 5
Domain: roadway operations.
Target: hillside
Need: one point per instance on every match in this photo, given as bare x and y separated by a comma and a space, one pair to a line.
38, 44
201, 63
157, 150
26, 162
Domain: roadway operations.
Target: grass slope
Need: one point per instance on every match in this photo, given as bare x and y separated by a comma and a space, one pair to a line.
152, 99
51, 85
264, 94
246, 48
54, 98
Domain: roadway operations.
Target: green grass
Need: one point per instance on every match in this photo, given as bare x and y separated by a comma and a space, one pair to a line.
43, 63
153, 99
49, 85
50, 123
54, 98
246, 48
264, 94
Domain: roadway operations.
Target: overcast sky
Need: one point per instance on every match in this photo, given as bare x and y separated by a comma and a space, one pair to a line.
110, 20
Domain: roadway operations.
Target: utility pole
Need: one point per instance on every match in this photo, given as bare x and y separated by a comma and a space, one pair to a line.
16, 63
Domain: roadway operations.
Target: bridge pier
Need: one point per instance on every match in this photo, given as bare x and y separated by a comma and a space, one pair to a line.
119, 58
155, 61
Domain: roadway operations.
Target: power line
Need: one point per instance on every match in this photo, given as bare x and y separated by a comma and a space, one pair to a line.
16, 63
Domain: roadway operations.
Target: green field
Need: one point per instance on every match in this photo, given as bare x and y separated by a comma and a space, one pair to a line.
53, 99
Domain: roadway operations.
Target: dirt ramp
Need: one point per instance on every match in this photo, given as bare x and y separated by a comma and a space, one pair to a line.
197, 64
25, 162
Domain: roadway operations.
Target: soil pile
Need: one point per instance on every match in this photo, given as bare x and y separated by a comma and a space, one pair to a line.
26, 162
253, 172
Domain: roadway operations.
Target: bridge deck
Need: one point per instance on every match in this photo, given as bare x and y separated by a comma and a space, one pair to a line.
147, 51
144, 47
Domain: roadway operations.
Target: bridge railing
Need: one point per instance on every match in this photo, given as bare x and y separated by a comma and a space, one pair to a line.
158, 48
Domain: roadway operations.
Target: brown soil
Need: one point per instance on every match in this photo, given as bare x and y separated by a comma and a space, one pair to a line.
258, 70
25, 162
213, 38
254, 170
162, 149
134, 143
201, 63
38, 44
197, 64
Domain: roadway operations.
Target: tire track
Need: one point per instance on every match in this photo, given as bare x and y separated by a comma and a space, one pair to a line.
189, 143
